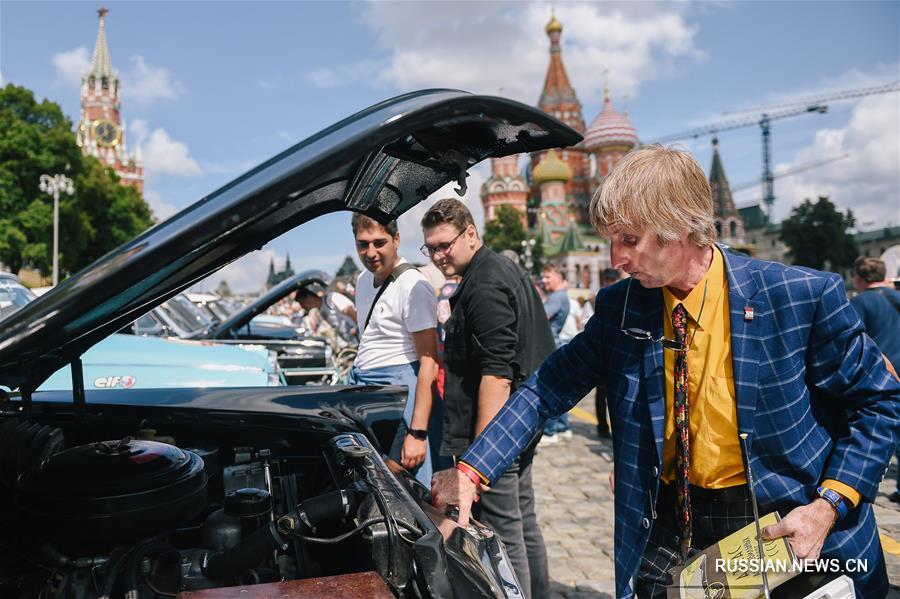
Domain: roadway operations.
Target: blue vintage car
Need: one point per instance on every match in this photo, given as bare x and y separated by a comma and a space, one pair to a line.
284, 490
131, 362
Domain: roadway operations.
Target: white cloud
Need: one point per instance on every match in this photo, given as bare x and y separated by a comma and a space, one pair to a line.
160, 207
142, 84
162, 154
246, 275
70, 66
146, 83
867, 181
504, 46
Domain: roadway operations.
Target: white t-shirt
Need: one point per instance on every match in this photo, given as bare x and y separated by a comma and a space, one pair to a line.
408, 305
570, 326
340, 301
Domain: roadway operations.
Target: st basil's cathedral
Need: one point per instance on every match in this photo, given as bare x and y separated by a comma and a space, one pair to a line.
554, 190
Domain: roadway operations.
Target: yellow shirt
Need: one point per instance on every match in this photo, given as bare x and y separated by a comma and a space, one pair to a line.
715, 447
716, 460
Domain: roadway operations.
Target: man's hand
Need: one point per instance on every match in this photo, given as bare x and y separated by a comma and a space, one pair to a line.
805, 528
452, 487
413, 452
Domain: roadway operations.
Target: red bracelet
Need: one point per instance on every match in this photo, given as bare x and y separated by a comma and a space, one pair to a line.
471, 473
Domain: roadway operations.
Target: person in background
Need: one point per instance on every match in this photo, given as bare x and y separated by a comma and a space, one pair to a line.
586, 307
322, 311
497, 335
878, 305
557, 306
397, 317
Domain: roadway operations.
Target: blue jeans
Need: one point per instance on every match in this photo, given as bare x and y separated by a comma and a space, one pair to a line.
407, 375
559, 424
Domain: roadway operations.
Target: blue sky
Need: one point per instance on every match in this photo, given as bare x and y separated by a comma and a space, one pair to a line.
213, 88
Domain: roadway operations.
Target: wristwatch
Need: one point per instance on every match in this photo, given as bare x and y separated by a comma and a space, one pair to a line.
417, 433
840, 503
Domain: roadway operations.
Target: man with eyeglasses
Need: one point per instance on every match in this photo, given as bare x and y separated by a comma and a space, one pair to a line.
699, 346
396, 312
496, 336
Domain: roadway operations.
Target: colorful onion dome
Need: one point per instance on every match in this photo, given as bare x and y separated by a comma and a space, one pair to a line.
551, 168
611, 129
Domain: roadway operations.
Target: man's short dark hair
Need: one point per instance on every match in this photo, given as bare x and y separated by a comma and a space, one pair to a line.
557, 267
448, 211
610, 274
310, 289
361, 222
870, 270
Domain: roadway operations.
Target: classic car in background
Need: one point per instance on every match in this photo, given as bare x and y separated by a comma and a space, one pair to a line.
302, 358
128, 362
270, 487
219, 308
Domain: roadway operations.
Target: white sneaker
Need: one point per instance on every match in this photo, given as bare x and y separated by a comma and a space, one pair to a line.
548, 440
566, 435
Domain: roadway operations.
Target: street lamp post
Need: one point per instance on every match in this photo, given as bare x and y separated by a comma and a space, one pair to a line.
53, 186
527, 247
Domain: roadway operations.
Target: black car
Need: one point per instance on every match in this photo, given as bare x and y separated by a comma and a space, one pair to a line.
164, 491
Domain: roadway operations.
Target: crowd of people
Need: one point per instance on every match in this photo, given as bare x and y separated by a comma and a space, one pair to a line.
688, 347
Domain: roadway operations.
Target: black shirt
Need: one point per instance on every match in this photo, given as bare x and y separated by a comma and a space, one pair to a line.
497, 327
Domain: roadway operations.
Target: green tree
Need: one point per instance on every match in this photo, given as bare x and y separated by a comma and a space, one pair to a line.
817, 235
506, 232
37, 138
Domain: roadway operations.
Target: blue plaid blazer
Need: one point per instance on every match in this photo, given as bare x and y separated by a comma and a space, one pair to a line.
812, 393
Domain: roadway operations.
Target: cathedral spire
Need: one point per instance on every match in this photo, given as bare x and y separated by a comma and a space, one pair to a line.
723, 205
101, 64
558, 97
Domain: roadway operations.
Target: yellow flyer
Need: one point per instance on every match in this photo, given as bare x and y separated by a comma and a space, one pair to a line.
732, 568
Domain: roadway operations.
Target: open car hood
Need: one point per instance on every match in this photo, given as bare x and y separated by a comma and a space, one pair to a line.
380, 161
276, 293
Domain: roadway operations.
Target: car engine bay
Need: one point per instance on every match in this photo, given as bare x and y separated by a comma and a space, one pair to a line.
89, 514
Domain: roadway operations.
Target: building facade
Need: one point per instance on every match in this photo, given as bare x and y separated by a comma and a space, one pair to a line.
101, 129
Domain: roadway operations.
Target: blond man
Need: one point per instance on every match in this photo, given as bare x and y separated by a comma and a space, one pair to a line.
699, 346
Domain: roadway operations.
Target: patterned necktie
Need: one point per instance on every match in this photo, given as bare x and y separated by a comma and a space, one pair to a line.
682, 432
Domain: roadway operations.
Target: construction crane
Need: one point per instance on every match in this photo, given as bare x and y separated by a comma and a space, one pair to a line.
842, 95
764, 120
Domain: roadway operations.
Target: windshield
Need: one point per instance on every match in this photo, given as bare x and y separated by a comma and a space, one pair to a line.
13, 295
186, 315
220, 309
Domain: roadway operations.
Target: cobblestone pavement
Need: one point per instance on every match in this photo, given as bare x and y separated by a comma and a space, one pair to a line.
575, 510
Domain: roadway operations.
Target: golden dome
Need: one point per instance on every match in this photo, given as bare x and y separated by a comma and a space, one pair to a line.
551, 168
554, 25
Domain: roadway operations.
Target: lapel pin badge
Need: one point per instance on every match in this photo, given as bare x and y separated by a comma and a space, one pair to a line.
748, 313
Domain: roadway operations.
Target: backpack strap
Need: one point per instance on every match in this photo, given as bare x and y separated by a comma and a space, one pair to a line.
402, 268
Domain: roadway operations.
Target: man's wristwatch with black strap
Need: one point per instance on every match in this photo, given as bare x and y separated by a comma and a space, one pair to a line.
840, 503
417, 433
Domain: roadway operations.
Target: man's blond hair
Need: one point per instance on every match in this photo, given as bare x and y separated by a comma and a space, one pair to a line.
660, 190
